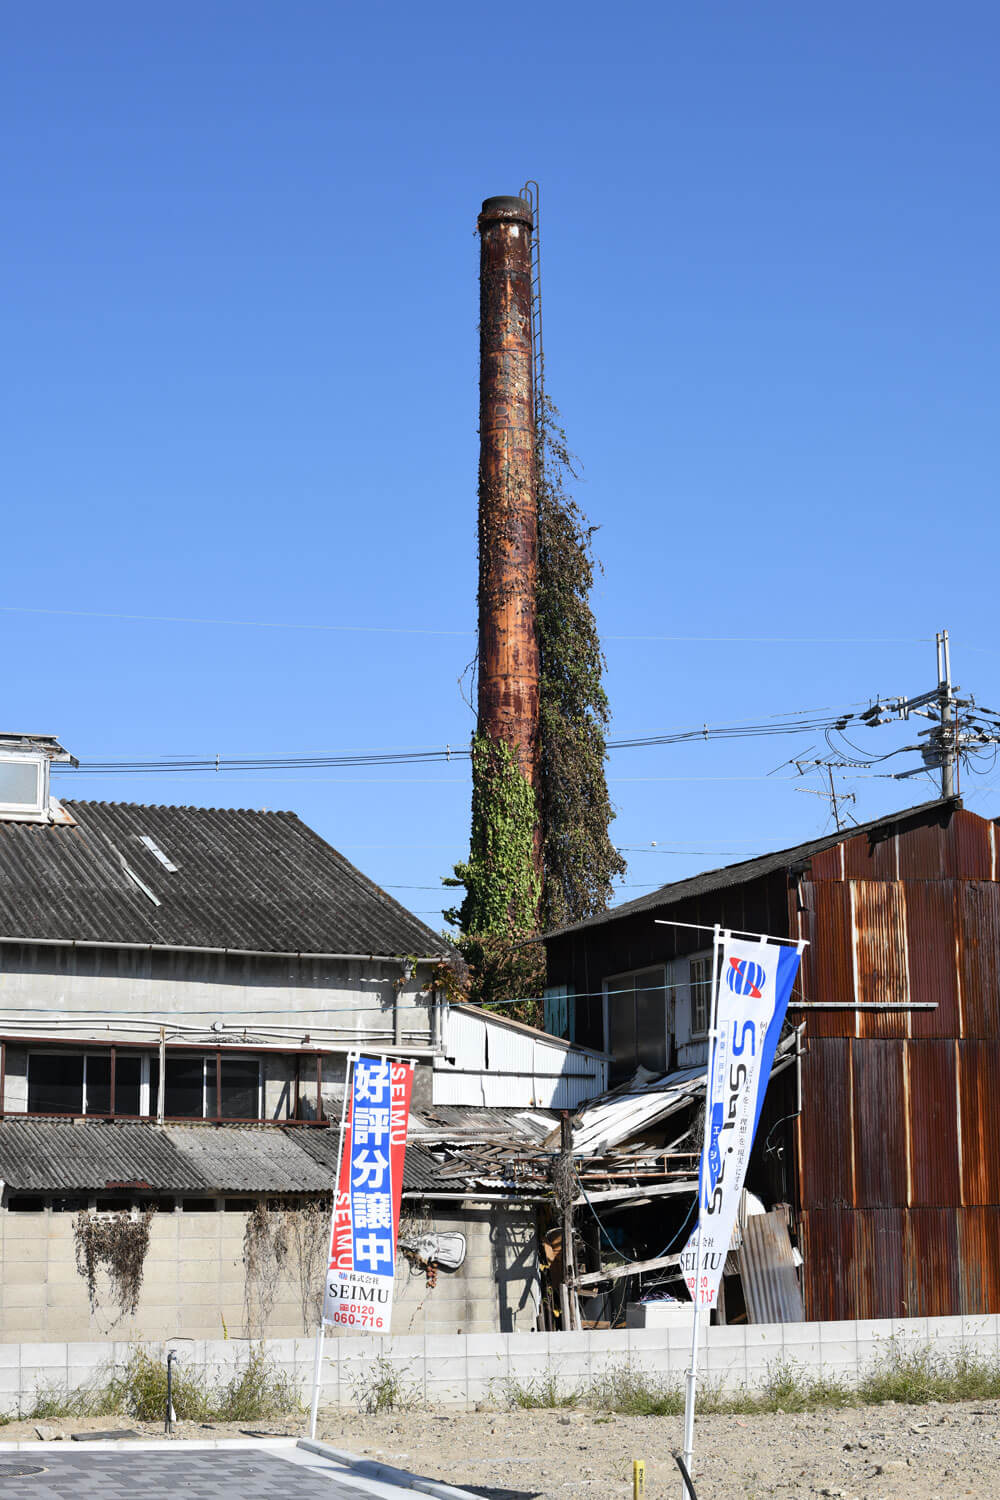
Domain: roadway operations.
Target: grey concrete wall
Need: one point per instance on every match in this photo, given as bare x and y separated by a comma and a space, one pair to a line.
459, 1370
198, 989
195, 1282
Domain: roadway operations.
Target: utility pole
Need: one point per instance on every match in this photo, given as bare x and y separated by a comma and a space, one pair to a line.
948, 737
567, 1193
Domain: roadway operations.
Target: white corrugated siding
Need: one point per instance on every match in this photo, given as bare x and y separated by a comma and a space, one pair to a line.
488, 1063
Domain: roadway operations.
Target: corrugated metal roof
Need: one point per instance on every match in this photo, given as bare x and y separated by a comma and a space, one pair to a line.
257, 881
59, 1155
753, 869
609, 1121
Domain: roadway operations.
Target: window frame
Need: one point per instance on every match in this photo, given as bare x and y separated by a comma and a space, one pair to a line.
39, 807
613, 981
704, 956
212, 1063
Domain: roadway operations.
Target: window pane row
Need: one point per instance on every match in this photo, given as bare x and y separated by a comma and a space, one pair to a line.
76, 1084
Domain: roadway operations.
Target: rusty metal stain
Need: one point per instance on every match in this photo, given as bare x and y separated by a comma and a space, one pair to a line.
879, 1124
930, 956
979, 1093
828, 1267
767, 1269
969, 837
933, 1124
979, 1259
878, 1250
868, 858
826, 1178
979, 941
930, 1263
828, 974
879, 911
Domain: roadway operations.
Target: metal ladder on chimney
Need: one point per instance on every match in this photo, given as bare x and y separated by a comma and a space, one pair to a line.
531, 193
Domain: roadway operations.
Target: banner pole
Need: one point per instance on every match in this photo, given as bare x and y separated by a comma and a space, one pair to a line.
317, 1377
692, 1374
321, 1330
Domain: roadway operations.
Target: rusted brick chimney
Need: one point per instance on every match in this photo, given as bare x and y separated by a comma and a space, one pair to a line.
508, 512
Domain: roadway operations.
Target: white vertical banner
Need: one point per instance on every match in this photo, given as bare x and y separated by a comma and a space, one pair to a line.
752, 983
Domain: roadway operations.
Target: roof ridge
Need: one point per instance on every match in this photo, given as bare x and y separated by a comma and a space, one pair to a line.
663, 894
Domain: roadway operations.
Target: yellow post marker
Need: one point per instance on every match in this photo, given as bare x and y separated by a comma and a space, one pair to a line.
638, 1479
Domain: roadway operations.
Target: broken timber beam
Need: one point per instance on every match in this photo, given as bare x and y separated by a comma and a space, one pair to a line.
614, 1273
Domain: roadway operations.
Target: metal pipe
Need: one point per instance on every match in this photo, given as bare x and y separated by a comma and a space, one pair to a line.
169, 1418
40, 942
161, 1083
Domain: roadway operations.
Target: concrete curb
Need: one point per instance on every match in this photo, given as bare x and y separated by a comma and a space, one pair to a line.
385, 1472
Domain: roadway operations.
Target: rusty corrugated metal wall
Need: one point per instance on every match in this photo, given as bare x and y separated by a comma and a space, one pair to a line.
898, 1142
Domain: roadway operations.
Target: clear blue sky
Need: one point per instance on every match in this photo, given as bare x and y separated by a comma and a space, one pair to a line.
239, 296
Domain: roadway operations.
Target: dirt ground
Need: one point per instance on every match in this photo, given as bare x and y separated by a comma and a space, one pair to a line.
873, 1453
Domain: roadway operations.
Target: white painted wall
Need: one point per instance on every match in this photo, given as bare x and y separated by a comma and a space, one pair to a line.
490, 1062
63, 991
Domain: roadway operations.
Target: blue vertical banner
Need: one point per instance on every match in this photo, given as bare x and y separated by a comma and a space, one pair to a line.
753, 987
361, 1263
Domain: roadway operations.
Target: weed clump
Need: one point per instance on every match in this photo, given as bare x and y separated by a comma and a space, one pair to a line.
257, 1389
381, 1387
903, 1375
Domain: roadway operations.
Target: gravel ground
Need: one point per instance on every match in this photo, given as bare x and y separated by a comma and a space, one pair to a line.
872, 1453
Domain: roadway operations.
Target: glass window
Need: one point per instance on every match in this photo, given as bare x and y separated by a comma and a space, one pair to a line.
240, 1088
97, 1084
55, 1083
184, 1096
700, 979
26, 1205
20, 784
128, 1075
637, 1022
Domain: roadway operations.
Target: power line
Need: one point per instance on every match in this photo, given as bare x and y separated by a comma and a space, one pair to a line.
307, 625
796, 722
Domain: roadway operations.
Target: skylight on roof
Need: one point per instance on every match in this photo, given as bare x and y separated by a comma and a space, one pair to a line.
158, 852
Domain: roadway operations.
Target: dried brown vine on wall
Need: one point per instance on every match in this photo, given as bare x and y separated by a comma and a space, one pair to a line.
284, 1240
116, 1244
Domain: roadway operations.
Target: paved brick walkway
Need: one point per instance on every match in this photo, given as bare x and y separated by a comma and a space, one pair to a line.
211, 1474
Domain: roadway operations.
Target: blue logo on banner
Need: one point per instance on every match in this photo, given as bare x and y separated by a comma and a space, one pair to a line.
745, 978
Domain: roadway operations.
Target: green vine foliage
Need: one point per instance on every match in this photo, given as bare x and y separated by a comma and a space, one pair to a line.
578, 857
499, 878
506, 905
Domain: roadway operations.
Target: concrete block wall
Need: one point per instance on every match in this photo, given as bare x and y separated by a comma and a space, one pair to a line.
194, 1281
460, 1370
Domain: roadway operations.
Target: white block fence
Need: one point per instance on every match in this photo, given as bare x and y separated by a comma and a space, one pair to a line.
462, 1369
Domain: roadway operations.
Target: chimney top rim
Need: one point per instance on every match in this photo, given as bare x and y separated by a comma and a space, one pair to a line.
506, 208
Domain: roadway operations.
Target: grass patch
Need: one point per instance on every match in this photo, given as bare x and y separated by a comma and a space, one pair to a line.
902, 1374
913, 1376
257, 1389
540, 1393
381, 1387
